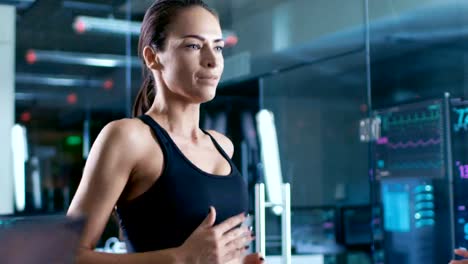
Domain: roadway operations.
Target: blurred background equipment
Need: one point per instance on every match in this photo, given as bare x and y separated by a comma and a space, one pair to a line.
414, 181
459, 129
40, 239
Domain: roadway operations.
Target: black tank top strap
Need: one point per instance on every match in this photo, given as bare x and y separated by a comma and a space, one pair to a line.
158, 130
220, 149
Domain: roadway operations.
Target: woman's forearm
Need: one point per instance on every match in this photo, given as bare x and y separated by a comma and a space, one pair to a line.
166, 256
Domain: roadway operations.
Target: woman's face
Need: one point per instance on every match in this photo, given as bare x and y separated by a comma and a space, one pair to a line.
192, 61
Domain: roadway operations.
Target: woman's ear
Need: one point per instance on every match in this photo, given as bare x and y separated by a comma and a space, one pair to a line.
151, 58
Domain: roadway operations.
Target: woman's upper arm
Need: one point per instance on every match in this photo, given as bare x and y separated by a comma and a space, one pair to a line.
105, 175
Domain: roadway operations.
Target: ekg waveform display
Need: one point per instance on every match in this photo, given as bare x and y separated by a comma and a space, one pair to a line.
411, 143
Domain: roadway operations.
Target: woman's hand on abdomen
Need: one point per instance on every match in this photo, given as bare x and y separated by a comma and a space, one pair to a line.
218, 244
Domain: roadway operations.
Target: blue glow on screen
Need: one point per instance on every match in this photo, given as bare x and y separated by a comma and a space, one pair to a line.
396, 208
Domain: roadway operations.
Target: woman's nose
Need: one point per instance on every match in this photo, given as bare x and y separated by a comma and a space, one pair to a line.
210, 64
209, 59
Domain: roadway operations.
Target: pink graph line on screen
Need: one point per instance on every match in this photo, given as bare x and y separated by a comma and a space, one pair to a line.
414, 144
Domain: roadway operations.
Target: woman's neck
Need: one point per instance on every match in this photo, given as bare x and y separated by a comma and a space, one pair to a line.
178, 117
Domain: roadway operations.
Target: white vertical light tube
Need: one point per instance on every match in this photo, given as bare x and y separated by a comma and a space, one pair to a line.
260, 236
36, 182
270, 158
279, 194
86, 137
20, 156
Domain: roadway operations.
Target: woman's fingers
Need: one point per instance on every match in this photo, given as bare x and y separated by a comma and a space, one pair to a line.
241, 243
238, 241
229, 223
236, 234
234, 253
458, 262
461, 252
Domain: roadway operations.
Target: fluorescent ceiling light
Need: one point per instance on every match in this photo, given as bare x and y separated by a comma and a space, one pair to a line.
100, 62
83, 24
34, 96
78, 58
270, 158
64, 80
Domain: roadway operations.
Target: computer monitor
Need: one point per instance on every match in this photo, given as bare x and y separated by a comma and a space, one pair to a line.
313, 230
357, 225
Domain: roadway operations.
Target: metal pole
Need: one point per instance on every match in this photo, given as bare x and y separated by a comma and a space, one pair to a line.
260, 218
128, 62
448, 140
286, 224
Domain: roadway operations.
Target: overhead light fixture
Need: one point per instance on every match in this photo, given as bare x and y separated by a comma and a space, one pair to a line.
56, 97
25, 117
230, 38
270, 159
41, 96
79, 58
85, 24
72, 98
64, 80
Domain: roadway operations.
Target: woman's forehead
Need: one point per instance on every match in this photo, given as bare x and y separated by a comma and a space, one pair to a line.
195, 21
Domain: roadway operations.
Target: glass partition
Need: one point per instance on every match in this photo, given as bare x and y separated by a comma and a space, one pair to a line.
317, 93
359, 105
418, 71
76, 70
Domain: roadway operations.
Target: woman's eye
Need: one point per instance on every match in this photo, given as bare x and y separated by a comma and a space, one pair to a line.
219, 48
194, 46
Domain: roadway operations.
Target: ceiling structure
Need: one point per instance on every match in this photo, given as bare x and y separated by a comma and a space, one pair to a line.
48, 26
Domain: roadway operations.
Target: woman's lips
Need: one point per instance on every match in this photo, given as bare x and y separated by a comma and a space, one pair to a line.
209, 79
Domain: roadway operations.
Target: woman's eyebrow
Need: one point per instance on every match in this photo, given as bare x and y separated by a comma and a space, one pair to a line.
201, 38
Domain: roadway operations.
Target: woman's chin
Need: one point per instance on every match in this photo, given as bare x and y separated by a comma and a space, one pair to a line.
206, 94
208, 98
203, 98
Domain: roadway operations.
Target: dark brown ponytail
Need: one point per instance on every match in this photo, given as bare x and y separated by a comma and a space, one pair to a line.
146, 94
153, 33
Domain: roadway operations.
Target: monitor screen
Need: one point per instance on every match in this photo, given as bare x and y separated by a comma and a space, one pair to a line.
411, 141
357, 225
396, 205
313, 230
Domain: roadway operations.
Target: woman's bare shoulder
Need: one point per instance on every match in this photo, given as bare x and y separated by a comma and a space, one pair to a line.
128, 133
129, 128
